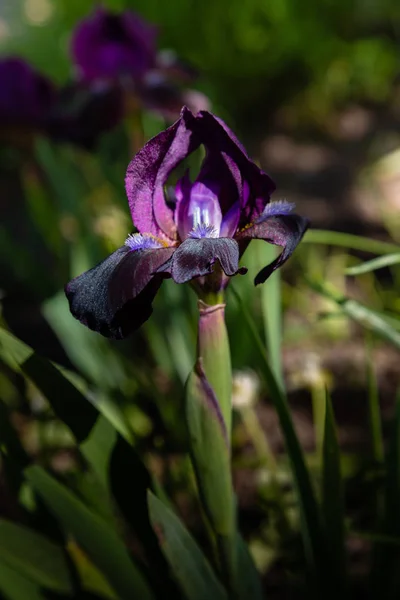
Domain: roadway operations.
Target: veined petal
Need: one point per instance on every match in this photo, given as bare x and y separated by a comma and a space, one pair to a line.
148, 172
196, 257
285, 230
216, 134
114, 298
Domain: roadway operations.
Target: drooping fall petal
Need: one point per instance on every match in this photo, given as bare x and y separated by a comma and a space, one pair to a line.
196, 258
285, 230
115, 297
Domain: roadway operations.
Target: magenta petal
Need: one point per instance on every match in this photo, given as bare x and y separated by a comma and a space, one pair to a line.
114, 298
196, 257
284, 230
148, 172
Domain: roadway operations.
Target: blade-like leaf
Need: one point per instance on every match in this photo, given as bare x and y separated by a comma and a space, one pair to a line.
332, 502
348, 240
375, 264
35, 557
69, 404
366, 317
309, 510
385, 576
97, 538
189, 565
130, 494
249, 582
15, 586
270, 294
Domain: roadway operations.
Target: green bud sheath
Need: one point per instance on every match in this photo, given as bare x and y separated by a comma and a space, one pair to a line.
210, 452
213, 349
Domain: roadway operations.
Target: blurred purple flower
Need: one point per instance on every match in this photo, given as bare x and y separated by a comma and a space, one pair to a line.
199, 233
80, 114
121, 49
26, 96
113, 46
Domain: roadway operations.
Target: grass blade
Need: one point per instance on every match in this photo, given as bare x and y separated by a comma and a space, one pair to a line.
309, 510
367, 318
270, 294
348, 240
333, 502
385, 576
374, 265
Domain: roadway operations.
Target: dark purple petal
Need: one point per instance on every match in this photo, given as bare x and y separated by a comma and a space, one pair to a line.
148, 172
25, 95
216, 135
283, 230
109, 46
196, 257
114, 298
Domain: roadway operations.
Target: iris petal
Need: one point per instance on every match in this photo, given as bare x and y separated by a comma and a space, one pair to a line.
196, 257
114, 298
285, 230
148, 172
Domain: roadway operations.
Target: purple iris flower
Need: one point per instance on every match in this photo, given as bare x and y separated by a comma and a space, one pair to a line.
113, 46
196, 233
25, 95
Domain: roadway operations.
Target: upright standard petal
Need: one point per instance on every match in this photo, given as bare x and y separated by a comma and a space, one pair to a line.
285, 230
114, 298
217, 135
196, 258
148, 172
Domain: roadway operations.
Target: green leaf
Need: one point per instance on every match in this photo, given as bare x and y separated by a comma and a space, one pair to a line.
78, 412
367, 318
309, 510
98, 447
35, 557
270, 294
189, 565
348, 240
385, 576
15, 586
373, 265
130, 495
97, 538
68, 403
248, 581
333, 502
